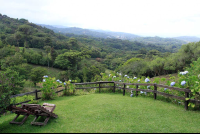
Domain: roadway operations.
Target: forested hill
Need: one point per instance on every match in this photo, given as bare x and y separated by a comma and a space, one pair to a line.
117, 35
92, 32
188, 38
31, 35
160, 41
84, 57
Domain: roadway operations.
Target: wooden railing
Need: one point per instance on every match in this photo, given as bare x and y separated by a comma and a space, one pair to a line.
33, 92
187, 91
99, 83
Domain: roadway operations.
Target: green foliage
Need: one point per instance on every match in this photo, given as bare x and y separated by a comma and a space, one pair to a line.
7, 50
17, 59
48, 88
10, 84
23, 69
25, 98
69, 88
36, 74
68, 60
192, 79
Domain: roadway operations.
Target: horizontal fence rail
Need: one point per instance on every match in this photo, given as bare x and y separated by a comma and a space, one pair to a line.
155, 92
123, 86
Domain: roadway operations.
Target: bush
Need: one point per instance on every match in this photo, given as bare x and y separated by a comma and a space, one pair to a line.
48, 88
10, 84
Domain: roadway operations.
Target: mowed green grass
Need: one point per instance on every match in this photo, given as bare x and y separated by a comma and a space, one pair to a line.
110, 113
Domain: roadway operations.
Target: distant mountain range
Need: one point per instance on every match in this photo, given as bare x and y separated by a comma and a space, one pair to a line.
91, 32
121, 35
188, 38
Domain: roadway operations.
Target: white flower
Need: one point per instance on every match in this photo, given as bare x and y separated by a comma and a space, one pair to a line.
70, 80
172, 83
147, 80
114, 76
186, 72
135, 78
148, 87
165, 89
141, 92
58, 80
125, 75
45, 76
109, 75
131, 95
183, 73
138, 80
44, 80
64, 83
120, 80
183, 83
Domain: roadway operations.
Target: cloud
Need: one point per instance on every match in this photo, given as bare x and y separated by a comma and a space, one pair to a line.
150, 17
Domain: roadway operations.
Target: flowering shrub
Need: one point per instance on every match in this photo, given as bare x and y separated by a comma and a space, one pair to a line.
172, 83
186, 79
147, 80
48, 88
69, 87
191, 80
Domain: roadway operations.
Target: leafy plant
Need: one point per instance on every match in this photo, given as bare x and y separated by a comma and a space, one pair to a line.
48, 90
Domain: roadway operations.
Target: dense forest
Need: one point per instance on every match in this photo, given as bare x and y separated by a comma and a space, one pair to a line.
83, 57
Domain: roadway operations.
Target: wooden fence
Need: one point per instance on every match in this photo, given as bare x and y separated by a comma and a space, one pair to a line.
155, 92
33, 92
187, 91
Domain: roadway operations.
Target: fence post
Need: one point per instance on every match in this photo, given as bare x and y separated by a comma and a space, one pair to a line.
99, 87
186, 101
155, 91
124, 89
136, 91
36, 95
114, 88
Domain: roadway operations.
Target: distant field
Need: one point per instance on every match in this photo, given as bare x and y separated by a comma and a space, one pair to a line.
51, 72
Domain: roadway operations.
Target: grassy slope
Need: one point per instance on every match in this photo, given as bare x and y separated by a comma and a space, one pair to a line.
51, 72
114, 113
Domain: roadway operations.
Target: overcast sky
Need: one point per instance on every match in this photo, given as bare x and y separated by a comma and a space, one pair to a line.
164, 18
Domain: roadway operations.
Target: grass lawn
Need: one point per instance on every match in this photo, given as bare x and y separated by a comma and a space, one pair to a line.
110, 113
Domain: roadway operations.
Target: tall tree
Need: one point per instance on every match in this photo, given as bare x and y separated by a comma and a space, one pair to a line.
53, 55
26, 30
17, 37
47, 49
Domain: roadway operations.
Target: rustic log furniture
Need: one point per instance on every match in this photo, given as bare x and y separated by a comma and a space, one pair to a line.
19, 111
45, 110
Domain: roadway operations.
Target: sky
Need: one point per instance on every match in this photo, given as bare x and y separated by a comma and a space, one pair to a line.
164, 18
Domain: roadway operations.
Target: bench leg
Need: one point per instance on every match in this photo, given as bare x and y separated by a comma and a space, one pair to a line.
40, 123
19, 123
